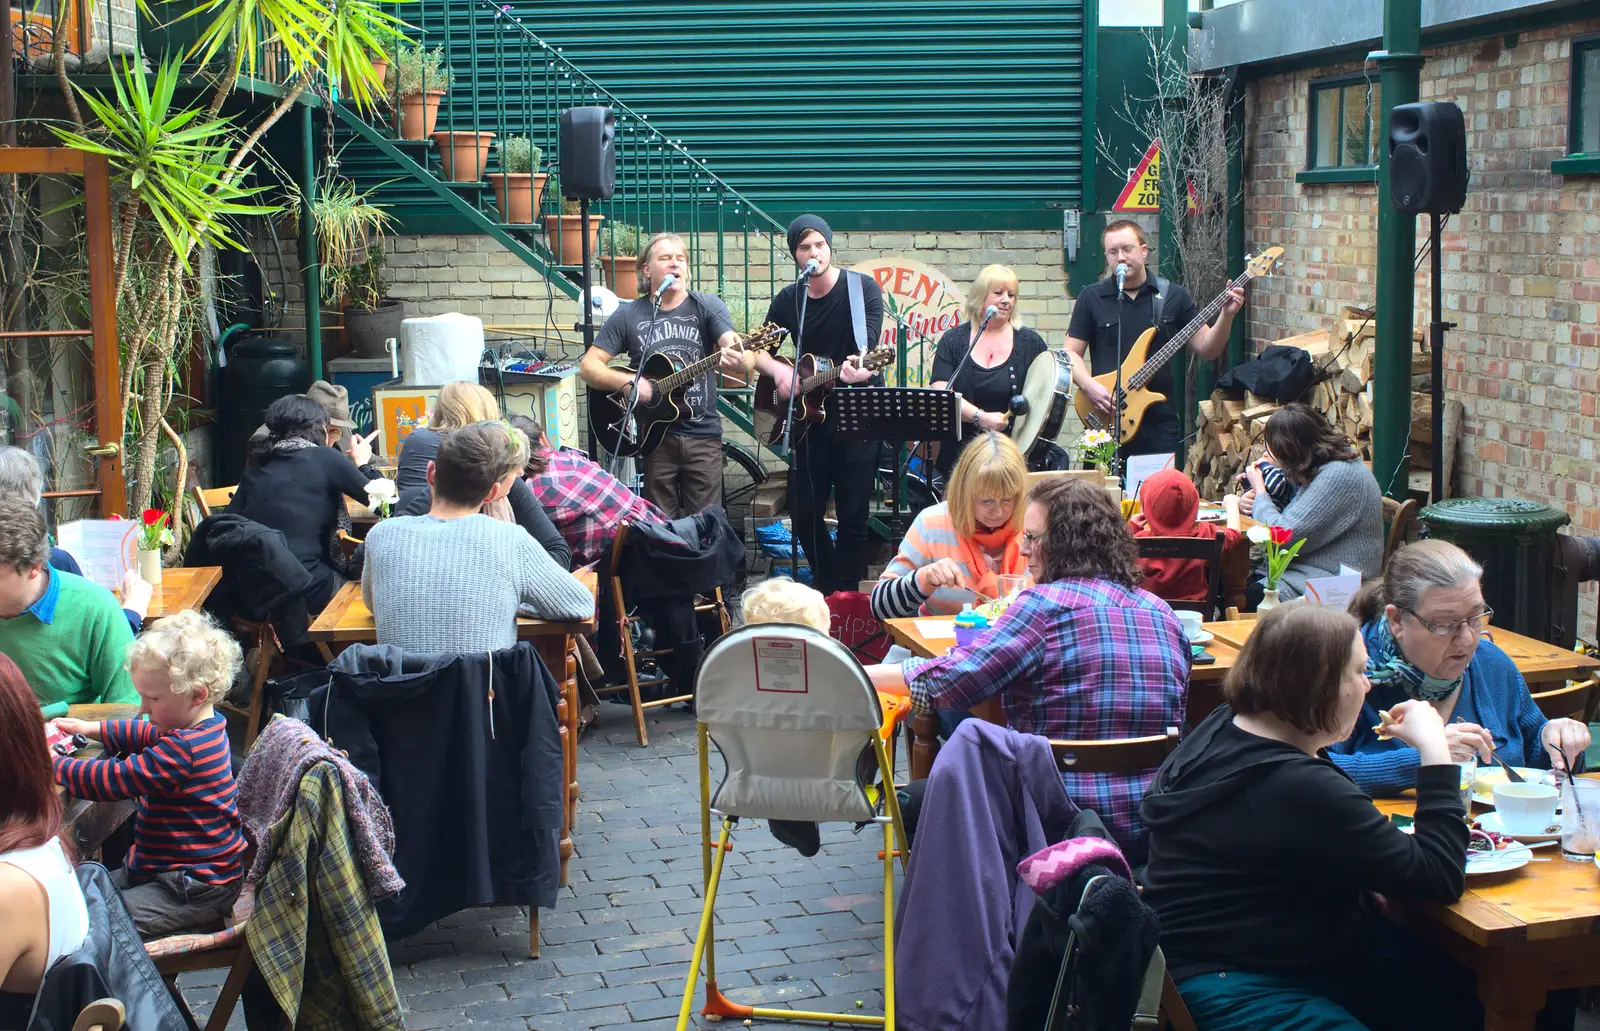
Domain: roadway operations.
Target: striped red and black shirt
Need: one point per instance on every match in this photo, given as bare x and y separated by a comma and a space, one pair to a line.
188, 815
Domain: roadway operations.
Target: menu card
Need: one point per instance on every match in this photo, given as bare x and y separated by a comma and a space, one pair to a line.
106, 549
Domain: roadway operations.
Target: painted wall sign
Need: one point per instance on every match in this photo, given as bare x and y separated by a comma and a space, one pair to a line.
929, 302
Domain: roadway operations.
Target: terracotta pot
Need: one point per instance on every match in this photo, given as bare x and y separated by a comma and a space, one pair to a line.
622, 275
564, 233
518, 195
463, 154
419, 113
380, 74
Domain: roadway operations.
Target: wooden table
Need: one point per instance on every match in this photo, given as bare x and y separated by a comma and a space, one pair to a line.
88, 823
1525, 932
182, 587
1538, 662
347, 621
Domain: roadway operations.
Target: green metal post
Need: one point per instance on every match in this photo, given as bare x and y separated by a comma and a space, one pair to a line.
1175, 47
308, 244
1236, 342
1090, 159
1397, 240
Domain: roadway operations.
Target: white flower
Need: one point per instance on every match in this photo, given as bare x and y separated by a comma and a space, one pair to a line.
381, 491
1259, 534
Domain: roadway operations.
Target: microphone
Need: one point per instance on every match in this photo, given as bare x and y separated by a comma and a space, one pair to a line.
811, 268
988, 313
666, 281
1122, 273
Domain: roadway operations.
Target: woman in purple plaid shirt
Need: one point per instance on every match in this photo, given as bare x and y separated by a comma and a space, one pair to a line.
1084, 655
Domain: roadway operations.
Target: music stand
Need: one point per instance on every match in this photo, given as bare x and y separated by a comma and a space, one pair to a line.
894, 414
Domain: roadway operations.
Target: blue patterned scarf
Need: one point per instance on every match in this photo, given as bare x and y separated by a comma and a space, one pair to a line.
1386, 665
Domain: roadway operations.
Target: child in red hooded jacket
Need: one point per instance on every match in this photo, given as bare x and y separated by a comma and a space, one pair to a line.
1169, 506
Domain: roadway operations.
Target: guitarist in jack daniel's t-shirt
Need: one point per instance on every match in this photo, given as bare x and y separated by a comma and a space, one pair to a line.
684, 474
823, 463
1093, 329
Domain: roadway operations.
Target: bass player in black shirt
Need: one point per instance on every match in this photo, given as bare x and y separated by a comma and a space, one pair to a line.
843, 319
1098, 319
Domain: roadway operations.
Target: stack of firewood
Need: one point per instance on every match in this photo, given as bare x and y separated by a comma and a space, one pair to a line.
1229, 431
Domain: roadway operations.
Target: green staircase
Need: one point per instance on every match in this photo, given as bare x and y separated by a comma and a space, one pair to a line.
508, 81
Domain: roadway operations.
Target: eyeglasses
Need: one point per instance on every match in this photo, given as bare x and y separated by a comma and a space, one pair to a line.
1475, 624
1030, 539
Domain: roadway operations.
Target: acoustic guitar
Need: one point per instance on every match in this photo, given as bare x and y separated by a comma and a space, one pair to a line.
817, 377
641, 432
1141, 366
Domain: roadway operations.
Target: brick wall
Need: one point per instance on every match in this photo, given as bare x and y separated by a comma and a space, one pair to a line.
1522, 261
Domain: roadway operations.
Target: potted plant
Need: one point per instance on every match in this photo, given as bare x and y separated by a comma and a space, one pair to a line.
564, 232
371, 317
1274, 540
463, 154
419, 78
518, 186
622, 264
154, 533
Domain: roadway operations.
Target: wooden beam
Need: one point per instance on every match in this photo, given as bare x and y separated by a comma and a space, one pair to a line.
103, 323
43, 160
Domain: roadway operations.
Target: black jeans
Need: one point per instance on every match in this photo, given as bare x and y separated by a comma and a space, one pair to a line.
846, 469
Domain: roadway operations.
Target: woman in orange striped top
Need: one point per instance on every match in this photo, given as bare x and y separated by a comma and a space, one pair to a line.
956, 550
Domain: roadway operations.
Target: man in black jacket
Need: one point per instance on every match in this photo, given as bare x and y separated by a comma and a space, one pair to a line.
843, 318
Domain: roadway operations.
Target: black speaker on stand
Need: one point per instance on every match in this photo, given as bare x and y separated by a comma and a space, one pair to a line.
1428, 173
588, 161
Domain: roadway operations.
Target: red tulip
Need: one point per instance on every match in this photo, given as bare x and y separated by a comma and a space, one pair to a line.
1281, 535
152, 516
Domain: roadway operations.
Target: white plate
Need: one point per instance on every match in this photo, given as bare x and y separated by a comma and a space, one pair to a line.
1490, 821
1509, 858
1203, 637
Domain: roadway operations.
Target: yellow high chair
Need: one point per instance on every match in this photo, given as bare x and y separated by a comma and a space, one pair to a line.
801, 732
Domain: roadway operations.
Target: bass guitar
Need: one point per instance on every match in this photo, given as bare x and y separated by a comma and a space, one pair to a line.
817, 377
1141, 366
640, 432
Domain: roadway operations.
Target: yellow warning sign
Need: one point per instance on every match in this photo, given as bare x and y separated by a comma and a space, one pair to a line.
1143, 193
1143, 189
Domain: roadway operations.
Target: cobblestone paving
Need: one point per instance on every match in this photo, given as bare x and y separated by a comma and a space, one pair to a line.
792, 932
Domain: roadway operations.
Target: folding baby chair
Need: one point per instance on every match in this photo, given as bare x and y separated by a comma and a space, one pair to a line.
801, 731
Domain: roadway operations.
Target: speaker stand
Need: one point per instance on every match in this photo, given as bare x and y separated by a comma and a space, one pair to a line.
587, 325
1436, 329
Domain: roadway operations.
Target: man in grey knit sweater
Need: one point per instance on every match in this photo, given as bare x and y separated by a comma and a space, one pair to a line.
452, 581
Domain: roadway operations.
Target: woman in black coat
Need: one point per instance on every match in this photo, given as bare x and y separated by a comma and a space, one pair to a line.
296, 483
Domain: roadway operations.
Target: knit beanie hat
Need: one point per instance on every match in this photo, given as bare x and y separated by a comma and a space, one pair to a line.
799, 226
1170, 503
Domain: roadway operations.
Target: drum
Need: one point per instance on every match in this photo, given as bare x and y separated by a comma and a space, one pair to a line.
1048, 390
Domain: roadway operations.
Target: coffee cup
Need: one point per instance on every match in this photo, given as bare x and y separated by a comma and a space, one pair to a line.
1190, 622
1526, 808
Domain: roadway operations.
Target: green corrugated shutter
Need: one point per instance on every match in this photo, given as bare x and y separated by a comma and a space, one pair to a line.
968, 112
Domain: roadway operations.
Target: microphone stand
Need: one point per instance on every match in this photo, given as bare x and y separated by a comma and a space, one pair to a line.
803, 288
633, 395
971, 346
1116, 398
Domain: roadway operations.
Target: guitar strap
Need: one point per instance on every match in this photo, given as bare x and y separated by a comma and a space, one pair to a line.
1158, 302
858, 309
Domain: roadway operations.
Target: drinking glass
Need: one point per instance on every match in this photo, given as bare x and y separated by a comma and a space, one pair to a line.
1580, 818
1469, 773
1011, 583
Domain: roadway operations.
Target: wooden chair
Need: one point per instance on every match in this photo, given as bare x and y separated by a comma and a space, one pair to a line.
101, 1015
1578, 701
1174, 1012
1399, 517
1130, 755
226, 949
631, 657
1202, 699
252, 634
1195, 548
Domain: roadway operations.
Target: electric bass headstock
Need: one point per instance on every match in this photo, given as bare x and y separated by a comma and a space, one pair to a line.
1262, 264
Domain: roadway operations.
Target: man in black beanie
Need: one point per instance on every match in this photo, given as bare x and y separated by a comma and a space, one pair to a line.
843, 320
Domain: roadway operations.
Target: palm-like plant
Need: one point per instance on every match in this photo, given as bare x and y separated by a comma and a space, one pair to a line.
181, 173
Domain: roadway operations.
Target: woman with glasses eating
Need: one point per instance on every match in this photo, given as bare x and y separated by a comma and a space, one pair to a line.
1423, 625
